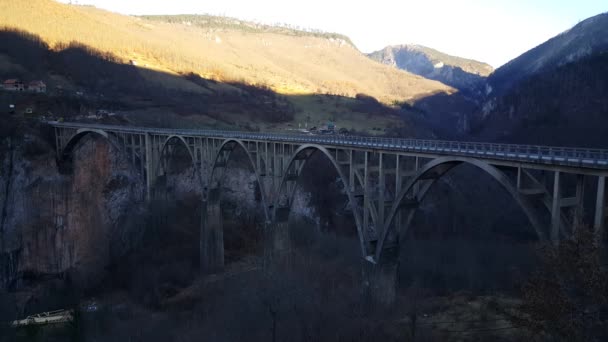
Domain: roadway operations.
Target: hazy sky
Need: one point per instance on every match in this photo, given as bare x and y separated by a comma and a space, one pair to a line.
493, 31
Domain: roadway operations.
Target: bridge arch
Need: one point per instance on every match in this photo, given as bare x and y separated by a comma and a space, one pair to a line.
437, 168
66, 152
304, 153
226, 149
68, 149
183, 142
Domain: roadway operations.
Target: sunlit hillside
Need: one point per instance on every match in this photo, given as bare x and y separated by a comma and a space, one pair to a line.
287, 63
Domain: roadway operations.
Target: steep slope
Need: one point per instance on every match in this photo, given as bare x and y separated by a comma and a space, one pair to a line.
553, 94
464, 74
562, 106
287, 63
586, 38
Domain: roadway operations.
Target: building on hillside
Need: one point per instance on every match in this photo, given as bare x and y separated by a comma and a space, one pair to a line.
330, 128
37, 87
13, 85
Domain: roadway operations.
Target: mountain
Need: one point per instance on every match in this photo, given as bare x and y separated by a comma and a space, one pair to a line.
466, 75
288, 61
200, 71
585, 39
554, 94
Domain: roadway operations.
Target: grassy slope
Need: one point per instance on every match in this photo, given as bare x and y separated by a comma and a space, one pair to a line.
288, 64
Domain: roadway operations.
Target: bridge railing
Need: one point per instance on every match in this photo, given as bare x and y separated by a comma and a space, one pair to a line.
595, 158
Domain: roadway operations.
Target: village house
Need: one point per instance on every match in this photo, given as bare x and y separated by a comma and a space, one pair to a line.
37, 87
13, 85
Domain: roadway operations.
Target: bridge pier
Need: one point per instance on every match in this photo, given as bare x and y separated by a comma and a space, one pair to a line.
600, 209
556, 208
212, 235
149, 166
277, 249
380, 281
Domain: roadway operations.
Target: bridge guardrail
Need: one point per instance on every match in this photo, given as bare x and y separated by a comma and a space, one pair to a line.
591, 158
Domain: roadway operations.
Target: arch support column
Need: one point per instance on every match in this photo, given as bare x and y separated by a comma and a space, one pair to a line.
212, 235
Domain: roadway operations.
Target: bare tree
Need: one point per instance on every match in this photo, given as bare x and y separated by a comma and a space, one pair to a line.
567, 299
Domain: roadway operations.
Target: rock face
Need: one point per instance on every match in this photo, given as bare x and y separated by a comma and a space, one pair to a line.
466, 75
72, 226
56, 225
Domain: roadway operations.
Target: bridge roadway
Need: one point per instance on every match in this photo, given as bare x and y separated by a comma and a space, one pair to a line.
514, 153
384, 179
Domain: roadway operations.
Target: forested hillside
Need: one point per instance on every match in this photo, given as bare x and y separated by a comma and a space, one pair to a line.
566, 106
553, 94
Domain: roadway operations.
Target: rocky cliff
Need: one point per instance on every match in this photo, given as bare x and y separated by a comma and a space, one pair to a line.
72, 226
466, 75
56, 225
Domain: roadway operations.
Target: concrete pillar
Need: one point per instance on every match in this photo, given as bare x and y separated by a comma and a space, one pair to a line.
277, 249
212, 235
141, 148
380, 281
556, 208
366, 193
600, 207
580, 201
519, 178
417, 184
58, 146
351, 172
381, 187
150, 170
132, 147
398, 185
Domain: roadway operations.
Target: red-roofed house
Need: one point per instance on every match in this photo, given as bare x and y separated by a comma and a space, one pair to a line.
13, 85
37, 87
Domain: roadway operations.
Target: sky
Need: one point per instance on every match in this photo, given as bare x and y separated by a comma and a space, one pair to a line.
491, 31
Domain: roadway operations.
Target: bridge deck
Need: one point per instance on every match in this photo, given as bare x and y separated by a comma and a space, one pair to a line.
594, 159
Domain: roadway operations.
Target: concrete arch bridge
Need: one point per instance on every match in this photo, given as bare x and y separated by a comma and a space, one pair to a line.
384, 179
